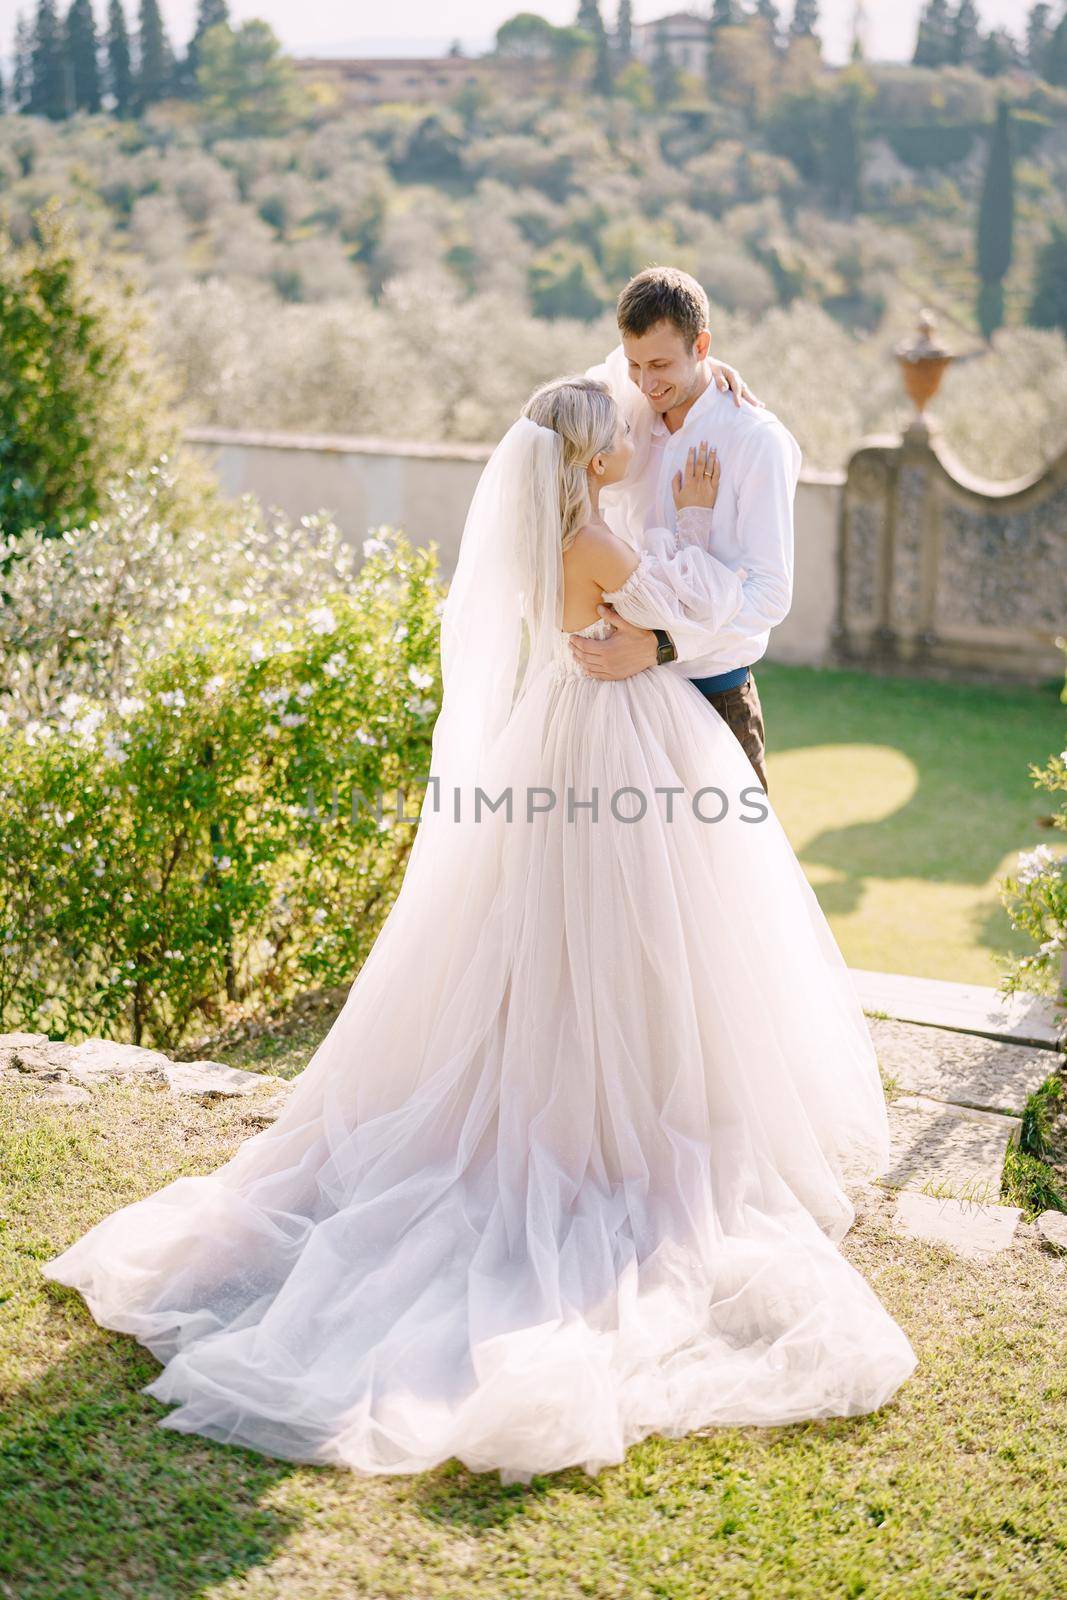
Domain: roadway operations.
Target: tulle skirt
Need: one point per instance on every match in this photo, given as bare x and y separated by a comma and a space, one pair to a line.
572, 1164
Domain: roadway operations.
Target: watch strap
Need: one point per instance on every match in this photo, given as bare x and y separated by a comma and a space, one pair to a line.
664, 643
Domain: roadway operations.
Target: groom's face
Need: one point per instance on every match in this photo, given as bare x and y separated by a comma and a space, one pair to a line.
665, 368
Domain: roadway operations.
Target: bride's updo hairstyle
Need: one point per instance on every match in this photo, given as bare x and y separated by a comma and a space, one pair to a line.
584, 414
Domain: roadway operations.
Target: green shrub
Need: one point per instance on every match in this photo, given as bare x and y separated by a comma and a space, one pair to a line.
1035, 895
932, 144
80, 400
226, 833
82, 612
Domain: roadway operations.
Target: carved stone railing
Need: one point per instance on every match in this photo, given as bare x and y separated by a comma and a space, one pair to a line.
943, 572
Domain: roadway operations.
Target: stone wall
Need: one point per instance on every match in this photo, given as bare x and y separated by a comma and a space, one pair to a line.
905, 563
945, 574
426, 489
423, 488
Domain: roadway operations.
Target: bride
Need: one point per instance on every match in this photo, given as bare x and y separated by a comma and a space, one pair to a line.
570, 1167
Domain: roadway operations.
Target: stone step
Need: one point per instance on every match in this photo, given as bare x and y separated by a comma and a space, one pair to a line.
978, 1232
966, 1069
965, 1007
1052, 1230
69, 1072
946, 1150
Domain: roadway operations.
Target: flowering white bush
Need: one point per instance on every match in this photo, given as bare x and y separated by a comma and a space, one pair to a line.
84, 610
1035, 895
225, 830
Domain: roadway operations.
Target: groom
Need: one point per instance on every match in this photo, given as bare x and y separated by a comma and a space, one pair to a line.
668, 388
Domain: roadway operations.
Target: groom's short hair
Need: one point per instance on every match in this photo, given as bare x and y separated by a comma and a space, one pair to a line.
663, 294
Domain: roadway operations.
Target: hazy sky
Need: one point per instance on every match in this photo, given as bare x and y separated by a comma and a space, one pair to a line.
427, 26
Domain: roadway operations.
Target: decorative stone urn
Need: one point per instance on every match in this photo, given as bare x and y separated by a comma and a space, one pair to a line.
923, 364
940, 572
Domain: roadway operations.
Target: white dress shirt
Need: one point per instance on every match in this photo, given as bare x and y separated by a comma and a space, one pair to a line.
752, 524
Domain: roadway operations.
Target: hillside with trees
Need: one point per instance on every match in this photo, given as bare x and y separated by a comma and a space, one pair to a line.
414, 268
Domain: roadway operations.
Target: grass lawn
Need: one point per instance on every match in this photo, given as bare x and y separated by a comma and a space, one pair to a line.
905, 801
953, 1490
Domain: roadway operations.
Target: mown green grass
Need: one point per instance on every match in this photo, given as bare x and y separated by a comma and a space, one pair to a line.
953, 1490
905, 801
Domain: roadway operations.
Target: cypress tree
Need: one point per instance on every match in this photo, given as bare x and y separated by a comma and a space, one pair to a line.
857, 49
766, 15
83, 52
934, 38
1056, 56
119, 70
663, 71
724, 14
48, 90
1048, 308
843, 153
805, 19
603, 76
211, 14
1038, 34
155, 59
22, 78
590, 21
997, 53
965, 40
624, 31
996, 222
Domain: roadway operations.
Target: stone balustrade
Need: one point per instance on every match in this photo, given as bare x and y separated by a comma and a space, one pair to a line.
905, 562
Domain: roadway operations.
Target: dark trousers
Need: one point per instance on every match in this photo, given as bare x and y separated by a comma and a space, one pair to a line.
740, 707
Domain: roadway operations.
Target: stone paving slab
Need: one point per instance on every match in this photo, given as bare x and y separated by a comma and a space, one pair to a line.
965, 1007
978, 1232
954, 1150
101, 1060
964, 1068
69, 1072
1052, 1228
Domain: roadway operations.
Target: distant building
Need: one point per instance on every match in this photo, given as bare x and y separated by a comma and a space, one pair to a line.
686, 36
426, 80
377, 82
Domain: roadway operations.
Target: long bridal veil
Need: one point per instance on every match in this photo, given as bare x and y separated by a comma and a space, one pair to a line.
505, 600
499, 624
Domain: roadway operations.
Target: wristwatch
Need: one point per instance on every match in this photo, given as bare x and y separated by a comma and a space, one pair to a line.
665, 647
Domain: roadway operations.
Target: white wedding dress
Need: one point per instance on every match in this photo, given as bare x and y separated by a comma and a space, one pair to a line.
571, 1165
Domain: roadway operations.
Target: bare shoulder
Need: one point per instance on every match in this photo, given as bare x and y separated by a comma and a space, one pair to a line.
600, 554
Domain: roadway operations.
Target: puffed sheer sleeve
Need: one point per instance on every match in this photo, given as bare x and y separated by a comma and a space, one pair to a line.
679, 585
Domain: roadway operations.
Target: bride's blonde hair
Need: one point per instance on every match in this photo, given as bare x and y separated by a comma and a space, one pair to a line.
584, 414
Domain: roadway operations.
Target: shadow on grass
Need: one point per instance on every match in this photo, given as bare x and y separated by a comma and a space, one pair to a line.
974, 801
477, 1503
453, 1496
99, 1501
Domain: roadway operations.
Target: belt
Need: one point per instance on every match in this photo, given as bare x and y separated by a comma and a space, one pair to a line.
721, 681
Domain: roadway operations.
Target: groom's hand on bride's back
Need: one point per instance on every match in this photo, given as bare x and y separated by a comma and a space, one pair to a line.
630, 649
